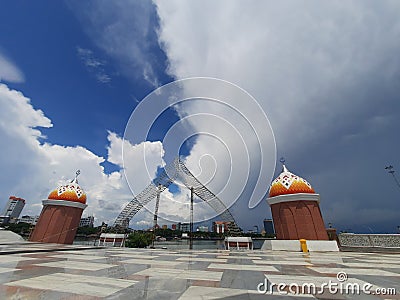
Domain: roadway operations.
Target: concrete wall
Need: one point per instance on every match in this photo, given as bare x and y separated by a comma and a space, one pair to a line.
282, 245
369, 240
294, 245
324, 246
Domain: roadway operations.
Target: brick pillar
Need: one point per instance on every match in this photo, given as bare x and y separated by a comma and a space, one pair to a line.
297, 216
58, 222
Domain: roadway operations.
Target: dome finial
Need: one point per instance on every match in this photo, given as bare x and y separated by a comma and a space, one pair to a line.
69, 192
76, 176
282, 160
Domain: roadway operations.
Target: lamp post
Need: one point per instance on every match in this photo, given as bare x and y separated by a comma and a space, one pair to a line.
191, 219
391, 171
156, 215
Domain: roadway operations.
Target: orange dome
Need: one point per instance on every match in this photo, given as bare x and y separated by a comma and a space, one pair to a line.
288, 183
69, 192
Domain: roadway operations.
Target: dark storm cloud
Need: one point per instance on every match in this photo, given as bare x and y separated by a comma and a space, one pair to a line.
326, 73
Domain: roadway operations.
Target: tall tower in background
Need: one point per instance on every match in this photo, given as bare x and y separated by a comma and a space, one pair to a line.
13, 208
269, 226
295, 208
61, 214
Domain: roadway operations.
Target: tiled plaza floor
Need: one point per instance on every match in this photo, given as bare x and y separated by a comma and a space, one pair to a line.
116, 273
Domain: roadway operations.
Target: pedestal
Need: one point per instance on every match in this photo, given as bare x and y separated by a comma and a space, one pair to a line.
297, 216
58, 222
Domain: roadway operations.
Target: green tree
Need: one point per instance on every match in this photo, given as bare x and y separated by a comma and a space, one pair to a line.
139, 240
86, 230
19, 228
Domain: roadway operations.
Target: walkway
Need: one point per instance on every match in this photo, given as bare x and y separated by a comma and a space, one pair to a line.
76, 273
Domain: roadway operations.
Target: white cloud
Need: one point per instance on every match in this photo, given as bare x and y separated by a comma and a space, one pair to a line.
9, 71
31, 169
93, 64
139, 172
319, 70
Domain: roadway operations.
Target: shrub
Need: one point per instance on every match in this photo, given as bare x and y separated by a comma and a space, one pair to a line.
139, 240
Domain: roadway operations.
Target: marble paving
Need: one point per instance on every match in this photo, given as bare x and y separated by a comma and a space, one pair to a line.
197, 292
70, 272
69, 283
352, 271
138, 255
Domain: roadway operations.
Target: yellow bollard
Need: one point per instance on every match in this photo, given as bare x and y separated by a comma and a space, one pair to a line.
303, 245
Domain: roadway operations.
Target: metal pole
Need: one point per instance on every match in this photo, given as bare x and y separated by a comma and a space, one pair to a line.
156, 214
391, 171
395, 178
191, 219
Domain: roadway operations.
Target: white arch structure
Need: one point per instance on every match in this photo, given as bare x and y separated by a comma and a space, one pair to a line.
176, 170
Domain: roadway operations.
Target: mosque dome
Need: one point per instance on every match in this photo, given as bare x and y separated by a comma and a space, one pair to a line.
289, 183
69, 192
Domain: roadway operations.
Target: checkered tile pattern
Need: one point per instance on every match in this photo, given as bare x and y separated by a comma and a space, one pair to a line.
117, 273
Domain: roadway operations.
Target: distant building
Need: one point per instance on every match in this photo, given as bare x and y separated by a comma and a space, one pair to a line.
87, 221
185, 227
29, 219
173, 226
4, 220
202, 228
13, 208
165, 226
220, 226
269, 226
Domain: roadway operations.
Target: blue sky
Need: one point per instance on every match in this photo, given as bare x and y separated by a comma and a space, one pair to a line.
45, 40
326, 74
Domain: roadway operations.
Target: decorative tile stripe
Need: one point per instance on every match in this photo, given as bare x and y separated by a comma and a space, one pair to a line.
242, 267
76, 265
181, 274
168, 263
281, 262
202, 259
